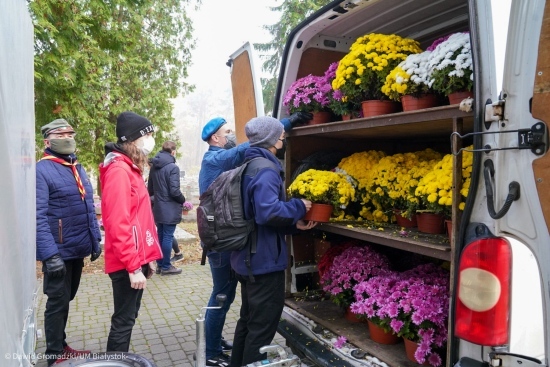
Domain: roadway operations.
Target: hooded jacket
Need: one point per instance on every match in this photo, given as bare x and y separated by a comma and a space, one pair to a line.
164, 185
264, 200
65, 224
130, 233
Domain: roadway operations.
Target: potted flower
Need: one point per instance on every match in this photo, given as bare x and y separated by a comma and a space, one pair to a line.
413, 304
450, 67
340, 104
409, 83
353, 266
362, 72
328, 188
434, 191
310, 94
187, 206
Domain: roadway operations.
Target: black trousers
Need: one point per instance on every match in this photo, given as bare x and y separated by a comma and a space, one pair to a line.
127, 302
262, 306
60, 291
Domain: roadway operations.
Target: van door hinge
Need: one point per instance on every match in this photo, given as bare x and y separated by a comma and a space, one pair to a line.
494, 111
535, 138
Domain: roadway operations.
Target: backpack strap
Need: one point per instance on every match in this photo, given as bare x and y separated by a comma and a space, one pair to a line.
255, 165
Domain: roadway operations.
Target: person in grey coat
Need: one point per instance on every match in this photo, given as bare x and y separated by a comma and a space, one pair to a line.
164, 186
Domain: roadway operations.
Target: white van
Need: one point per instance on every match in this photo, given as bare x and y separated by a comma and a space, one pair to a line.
499, 253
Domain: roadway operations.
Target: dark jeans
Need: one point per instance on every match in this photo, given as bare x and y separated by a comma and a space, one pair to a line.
262, 306
127, 302
166, 238
224, 282
60, 292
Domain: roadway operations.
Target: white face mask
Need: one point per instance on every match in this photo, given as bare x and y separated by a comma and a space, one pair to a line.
146, 144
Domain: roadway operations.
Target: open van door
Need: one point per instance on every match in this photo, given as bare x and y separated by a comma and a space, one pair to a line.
248, 100
501, 312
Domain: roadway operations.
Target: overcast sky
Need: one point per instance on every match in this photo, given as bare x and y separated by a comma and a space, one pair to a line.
222, 27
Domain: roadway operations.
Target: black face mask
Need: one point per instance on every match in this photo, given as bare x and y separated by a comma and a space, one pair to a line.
280, 153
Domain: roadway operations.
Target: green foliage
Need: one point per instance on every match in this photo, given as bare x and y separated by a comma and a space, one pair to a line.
95, 59
293, 12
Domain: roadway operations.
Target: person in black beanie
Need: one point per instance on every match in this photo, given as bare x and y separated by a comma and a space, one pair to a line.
131, 243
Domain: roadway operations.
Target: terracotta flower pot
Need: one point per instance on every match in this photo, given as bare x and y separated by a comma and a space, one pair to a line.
411, 103
346, 117
350, 316
457, 97
449, 227
377, 107
377, 334
403, 221
321, 117
185, 212
319, 212
430, 223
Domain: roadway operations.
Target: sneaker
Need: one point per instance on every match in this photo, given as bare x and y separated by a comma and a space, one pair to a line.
172, 270
177, 257
69, 353
221, 360
226, 345
157, 271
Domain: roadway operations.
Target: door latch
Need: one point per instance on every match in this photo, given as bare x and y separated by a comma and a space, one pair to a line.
535, 138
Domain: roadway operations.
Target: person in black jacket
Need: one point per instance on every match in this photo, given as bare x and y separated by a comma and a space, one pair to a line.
164, 186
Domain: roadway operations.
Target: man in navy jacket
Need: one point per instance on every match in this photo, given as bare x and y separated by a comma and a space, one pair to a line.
264, 199
222, 155
66, 231
164, 186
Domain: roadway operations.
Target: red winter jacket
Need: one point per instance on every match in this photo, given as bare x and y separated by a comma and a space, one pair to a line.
130, 234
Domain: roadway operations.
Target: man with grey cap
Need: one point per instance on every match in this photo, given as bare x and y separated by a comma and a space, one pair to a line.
264, 200
224, 154
66, 231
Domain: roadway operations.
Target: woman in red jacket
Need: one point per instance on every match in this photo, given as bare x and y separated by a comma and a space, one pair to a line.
131, 242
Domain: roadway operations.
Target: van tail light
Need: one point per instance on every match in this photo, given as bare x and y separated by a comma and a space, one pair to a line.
483, 292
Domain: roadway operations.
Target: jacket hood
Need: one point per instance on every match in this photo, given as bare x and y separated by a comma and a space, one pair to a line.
162, 159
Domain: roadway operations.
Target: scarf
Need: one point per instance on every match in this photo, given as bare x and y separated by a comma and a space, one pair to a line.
73, 168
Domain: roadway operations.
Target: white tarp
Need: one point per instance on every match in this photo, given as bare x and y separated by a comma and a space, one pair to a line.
18, 285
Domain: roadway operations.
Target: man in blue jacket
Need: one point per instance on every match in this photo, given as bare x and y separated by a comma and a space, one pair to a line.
264, 199
66, 232
164, 186
224, 154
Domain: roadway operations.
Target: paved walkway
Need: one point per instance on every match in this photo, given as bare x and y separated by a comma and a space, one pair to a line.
165, 329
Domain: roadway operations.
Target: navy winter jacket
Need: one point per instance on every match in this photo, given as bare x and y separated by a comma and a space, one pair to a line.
164, 185
264, 200
65, 224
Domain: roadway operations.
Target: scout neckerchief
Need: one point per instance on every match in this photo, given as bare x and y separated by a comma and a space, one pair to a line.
73, 168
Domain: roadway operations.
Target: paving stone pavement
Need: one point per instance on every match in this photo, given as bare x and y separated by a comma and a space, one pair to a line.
165, 329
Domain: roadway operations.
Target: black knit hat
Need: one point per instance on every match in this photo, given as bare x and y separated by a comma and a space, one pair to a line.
130, 126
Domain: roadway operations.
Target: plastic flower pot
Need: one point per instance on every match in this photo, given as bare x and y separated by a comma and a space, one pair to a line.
376, 107
321, 117
457, 97
430, 223
411, 103
377, 334
319, 213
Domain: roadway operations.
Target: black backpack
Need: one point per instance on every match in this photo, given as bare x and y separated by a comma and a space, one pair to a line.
220, 215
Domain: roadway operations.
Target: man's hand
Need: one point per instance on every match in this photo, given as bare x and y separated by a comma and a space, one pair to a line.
95, 255
299, 118
55, 267
307, 204
138, 281
301, 224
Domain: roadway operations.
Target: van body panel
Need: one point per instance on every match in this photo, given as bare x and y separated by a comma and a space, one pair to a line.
18, 287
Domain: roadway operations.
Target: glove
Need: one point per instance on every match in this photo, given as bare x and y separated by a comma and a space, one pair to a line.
55, 267
95, 255
299, 118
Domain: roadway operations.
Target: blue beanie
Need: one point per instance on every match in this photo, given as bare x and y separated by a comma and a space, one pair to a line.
263, 131
211, 127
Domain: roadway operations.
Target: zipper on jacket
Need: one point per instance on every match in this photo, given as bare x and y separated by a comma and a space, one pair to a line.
135, 235
60, 230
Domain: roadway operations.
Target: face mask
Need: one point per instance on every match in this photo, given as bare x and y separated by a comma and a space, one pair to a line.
146, 144
63, 146
231, 141
280, 153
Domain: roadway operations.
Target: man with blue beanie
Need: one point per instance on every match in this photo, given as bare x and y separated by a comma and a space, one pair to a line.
223, 155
